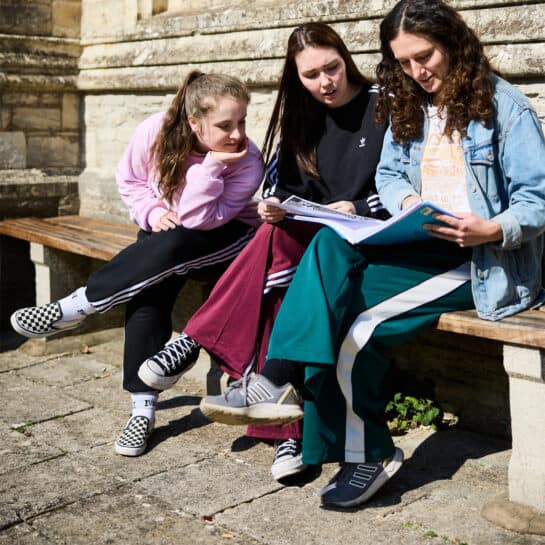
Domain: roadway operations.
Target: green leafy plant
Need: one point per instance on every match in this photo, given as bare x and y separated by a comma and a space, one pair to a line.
407, 412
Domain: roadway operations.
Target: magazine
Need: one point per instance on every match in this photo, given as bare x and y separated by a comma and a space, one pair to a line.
403, 228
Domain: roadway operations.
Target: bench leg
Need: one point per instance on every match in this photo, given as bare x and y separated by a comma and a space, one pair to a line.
526, 370
59, 273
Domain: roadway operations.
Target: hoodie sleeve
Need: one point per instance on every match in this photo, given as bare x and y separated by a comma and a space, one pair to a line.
216, 192
135, 178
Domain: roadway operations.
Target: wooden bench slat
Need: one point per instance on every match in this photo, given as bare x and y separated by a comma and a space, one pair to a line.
526, 328
121, 230
64, 237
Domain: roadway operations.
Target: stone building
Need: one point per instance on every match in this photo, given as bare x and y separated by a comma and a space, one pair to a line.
77, 76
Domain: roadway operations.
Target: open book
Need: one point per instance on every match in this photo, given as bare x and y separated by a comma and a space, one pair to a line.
405, 227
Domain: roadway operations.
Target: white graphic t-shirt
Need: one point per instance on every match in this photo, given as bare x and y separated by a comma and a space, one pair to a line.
443, 171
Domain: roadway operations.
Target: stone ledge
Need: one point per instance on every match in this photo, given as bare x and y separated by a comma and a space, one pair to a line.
498, 25
259, 17
514, 60
40, 82
32, 192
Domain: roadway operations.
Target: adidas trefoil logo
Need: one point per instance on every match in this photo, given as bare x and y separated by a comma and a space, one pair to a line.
362, 142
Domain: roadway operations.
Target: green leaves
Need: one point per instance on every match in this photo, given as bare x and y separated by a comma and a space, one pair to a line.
408, 412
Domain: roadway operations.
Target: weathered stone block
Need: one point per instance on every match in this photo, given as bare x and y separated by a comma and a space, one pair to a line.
12, 149
53, 151
29, 17
70, 111
31, 99
66, 18
107, 17
36, 119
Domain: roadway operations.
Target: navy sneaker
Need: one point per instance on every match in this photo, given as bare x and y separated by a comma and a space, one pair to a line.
354, 483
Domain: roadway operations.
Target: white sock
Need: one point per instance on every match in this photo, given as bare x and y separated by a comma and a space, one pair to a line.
75, 306
145, 404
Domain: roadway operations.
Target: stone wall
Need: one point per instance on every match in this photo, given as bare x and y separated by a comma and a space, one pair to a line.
134, 55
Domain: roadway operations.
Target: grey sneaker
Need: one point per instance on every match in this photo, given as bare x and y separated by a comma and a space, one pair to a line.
41, 321
254, 400
167, 366
354, 484
133, 440
288, 458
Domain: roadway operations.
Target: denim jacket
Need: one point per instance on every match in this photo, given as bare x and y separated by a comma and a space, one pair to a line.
505, 175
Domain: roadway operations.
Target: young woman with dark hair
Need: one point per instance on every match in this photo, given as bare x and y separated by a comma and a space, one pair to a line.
188, 177
459, 136
329, 147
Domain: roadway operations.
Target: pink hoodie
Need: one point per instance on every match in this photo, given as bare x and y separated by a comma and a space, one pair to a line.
214, 194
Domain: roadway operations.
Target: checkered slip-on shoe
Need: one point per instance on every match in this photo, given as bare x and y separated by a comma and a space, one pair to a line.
134, 437
41, 321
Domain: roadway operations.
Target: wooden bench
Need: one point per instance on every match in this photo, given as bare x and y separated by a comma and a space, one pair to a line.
522, 336
54, 244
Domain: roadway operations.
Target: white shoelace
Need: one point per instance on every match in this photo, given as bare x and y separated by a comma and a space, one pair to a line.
174, 353
289, 447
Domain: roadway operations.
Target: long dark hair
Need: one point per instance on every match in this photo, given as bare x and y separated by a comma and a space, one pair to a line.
466, 94
196, 97
296, 115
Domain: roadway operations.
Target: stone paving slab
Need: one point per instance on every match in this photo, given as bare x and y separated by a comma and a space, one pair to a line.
51, 485
64, 371
128, 516
23, 534
25, 401
79, 431
211, 485
22, 449
18, 360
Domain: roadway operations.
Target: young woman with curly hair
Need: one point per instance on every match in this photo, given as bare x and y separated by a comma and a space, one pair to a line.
459, 136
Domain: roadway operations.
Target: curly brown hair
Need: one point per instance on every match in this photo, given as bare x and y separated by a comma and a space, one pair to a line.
467, 92
296, 115
196, 97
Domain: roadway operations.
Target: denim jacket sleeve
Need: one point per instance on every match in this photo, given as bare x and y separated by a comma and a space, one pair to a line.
522, 161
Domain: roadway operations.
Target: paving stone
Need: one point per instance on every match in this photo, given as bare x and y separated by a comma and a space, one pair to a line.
17, 359
23, 534
21, 449
82, 430
443, 509
68, 370
105, 393
8, 517
126, 516
26, 401
211, 485
51, 485
294, 516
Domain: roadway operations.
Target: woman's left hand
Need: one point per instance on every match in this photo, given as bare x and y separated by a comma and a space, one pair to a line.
468, 230
343, 206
